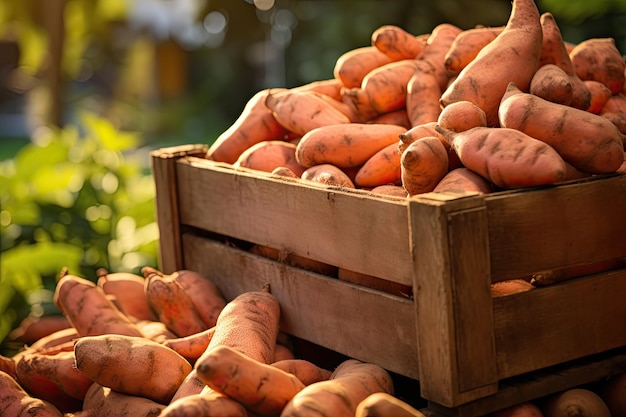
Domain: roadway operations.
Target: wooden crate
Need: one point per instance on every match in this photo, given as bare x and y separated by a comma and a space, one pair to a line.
462, 345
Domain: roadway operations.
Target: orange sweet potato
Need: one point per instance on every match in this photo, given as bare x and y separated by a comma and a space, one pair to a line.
587, 141
383, 404
463, 179
423, 164
513, 56
467, 45
599, 59
398, 117
307, 372
600, 94
128, 289
211, 404
132, 365
302, 111
397, 43
155, 330
89, 311
345, 146
352, 66
269, 155
381, 168
255, 124
16, 402
507, 157
262, 388
392, 190
103, 401
461, 115
351, 382
328, 174
553, 84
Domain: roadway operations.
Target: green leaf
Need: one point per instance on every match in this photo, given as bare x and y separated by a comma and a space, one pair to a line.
105, 133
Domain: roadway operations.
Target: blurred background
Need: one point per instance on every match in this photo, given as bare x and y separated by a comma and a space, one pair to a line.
89, 87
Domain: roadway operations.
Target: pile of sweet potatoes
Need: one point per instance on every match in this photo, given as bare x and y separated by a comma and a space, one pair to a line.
476, 110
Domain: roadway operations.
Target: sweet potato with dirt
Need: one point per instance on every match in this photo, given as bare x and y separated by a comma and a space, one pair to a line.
16, 402
88, 309
269, 155
553, 84
328, 174
397, 43
507, 157
212, 404
353, 65
132, 365
381, 168
423, 164
307, 372
128, 289
467, 45
513, 56
585, 140
599, 59
103, 401
463, 180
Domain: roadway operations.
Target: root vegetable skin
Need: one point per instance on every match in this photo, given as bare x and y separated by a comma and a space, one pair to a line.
600, 94
132, 365
423, 164
576, 402
352, 66
16, 402
328, 174
507, 157
261, 388
345, 146
553, 84
463, 179
269, 155
128, 289
88, 310
587, 141
307, 372
351, 382
381, 168
213, 404
103, 401
255, 124
467, 45
193, 346
599, 59
512, 56
461, 115
397, 43
382, 404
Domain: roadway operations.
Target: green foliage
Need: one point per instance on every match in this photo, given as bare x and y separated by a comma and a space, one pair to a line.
76, 198
578, 10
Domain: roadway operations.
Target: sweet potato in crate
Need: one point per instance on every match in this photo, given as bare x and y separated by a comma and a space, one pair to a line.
463, 345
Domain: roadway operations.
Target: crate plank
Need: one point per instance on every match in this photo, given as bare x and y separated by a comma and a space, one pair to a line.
353, 230
552, 227
559, 323
356, 321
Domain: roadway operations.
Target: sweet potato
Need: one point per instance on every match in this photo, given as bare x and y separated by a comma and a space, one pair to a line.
307, 372
132, 365
103, 401
510, 286
554, 51
16, 402
381, 168
284, 172
260, 387
425, 130
587, 141
282, 351
599, 59
172, 304
36, 372
54, 339
553, 84
128, 289
461, 115
384, 89
383, 404
437, 46
328, 174
600, 93
269, 155
423, 164
155, 330
614, 109
392, 190
467, 45
507, 157
352, 66
345, 146
213, 404
33, 328
350, 383
577, 402
88, 310
302, 111
464, 180
330, 87
396, 117
255, 124
397, 43
193, 346
7, 365
513, 56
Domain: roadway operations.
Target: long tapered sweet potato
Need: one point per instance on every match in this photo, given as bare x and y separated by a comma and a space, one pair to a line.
132, 365
302, 111
128, 289
381, 168
103, 401
587, 141
269, 155
397, 43
16, 402
260, 387
255, 124
467, 45
513, 56
351, 382
507, 157
307, 372
554, 51
347, 145
88, 310
352, 66
383, 404
193, 346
